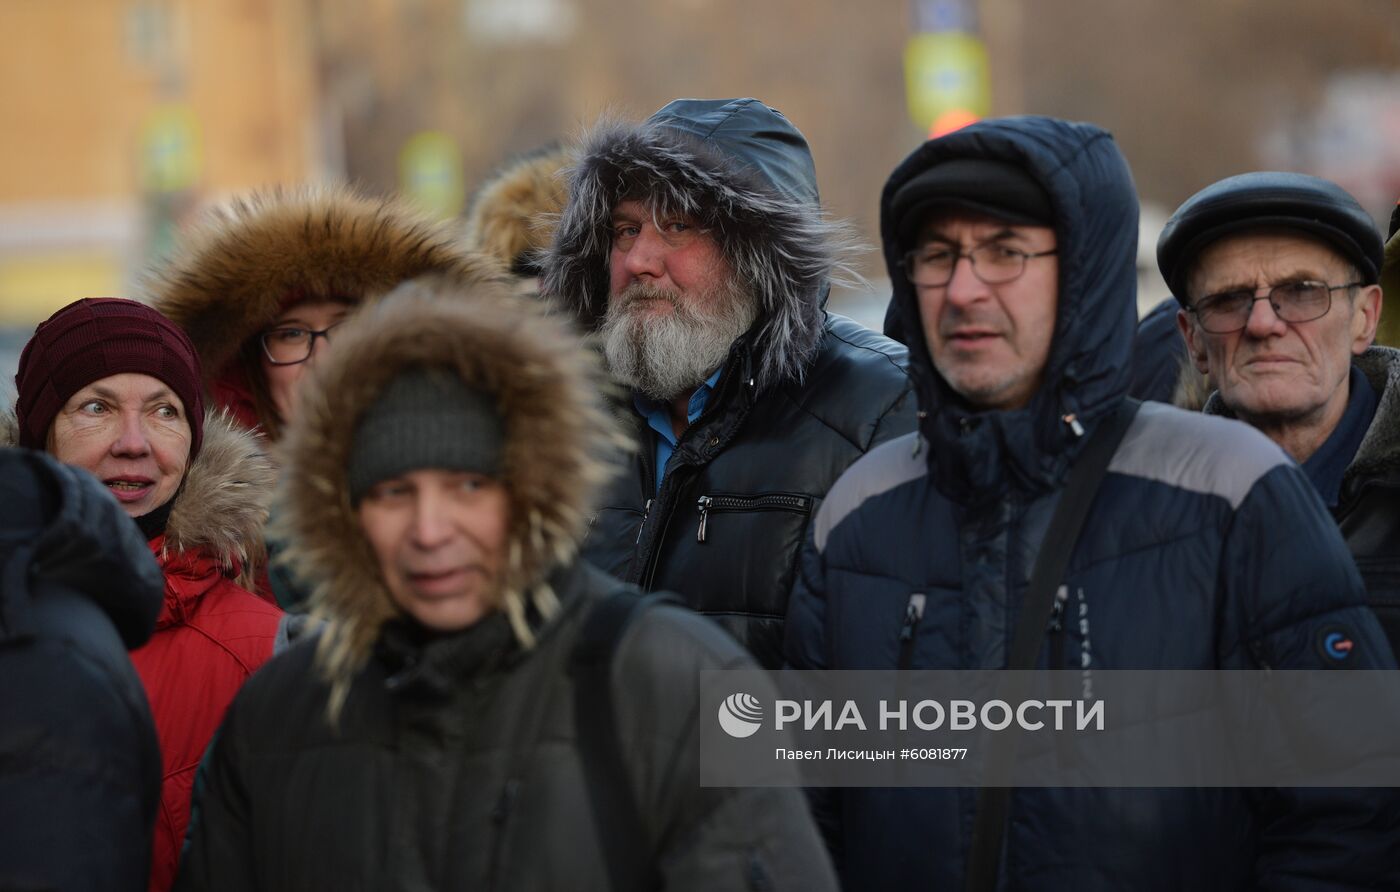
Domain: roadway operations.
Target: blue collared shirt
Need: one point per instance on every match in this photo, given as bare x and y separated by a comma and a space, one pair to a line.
658, 416
1328, 465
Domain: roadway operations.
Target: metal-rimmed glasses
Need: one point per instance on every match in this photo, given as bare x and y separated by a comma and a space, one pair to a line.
932, 265
289, 346
1228, 311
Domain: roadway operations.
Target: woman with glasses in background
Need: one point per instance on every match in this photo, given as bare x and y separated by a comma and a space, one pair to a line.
262, 282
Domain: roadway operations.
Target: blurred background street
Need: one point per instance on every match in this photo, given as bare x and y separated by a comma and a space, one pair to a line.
122, 118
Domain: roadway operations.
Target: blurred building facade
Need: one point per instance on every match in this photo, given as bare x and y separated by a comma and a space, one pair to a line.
121, 116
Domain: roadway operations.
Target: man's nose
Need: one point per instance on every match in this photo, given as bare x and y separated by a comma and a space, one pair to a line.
1263, 321
964, 287
647, 256
431, 526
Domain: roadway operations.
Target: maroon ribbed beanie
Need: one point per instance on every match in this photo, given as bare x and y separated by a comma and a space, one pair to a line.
90, 339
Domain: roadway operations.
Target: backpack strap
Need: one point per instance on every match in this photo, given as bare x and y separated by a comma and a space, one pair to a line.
994, 802
627, 844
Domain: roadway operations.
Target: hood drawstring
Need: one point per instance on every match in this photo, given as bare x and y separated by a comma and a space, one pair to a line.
1073, 421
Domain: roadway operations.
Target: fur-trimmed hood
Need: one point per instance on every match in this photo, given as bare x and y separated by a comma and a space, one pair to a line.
220, 510
741, 170
557, 438
513, 215
246, 260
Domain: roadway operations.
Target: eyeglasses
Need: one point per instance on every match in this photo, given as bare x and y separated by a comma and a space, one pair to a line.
932, 265
289, 346
1229, 311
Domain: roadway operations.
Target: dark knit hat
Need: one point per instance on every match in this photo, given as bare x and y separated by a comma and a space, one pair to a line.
425, 418
92, 339
1262, 199
997, 189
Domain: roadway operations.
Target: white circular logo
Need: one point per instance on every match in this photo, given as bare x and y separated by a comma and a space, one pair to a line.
740, 715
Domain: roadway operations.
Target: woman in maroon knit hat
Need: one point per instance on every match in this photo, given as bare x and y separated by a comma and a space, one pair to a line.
113, 387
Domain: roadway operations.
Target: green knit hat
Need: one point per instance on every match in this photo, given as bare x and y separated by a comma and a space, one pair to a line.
425, 418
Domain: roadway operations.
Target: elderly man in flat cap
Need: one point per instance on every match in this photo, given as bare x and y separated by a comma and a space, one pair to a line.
1277, 275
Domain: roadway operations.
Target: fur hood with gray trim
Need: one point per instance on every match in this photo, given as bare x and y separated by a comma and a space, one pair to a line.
221, 508
235, 271
739, 169
557, 439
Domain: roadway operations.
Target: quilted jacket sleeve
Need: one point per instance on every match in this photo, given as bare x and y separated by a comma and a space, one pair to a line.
1289, 589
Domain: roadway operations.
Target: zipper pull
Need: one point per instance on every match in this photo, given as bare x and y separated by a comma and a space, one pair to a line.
1073, 421
646, 512
913, 612
1057, 612
505, 802
703, 505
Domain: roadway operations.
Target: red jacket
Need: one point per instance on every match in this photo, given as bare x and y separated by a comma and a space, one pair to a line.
212, 632
211, 635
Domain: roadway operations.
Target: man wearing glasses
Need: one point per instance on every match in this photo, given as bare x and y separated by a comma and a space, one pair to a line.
1277, 278
1012, 245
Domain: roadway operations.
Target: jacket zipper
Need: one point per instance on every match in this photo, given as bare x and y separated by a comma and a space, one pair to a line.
1057, 628
646, 512
499, 816
913, 613
771, 502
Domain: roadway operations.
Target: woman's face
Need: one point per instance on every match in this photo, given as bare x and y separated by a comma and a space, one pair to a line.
130, 431
291, 345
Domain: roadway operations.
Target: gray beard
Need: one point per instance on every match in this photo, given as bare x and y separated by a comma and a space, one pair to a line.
667, 355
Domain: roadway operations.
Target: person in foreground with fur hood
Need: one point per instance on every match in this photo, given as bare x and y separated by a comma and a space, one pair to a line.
113, 387
695, 245
444, 730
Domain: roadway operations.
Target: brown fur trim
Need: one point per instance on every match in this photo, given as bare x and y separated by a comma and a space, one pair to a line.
558, 439
514, 214
235, 270
221, 508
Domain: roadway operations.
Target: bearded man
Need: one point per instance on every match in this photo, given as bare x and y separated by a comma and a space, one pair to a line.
696, 246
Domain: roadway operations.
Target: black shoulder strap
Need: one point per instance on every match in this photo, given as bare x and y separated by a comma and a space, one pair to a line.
993, 802
627, 845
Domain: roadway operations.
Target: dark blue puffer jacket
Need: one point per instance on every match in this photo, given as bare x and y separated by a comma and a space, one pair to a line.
1206, 548
79, 764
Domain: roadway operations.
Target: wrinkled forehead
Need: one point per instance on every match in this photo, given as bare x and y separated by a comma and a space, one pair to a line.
638, 209
127, 388
960, 226
313, 311
1267, 255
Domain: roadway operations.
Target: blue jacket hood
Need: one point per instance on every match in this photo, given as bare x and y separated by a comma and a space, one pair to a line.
975, 454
